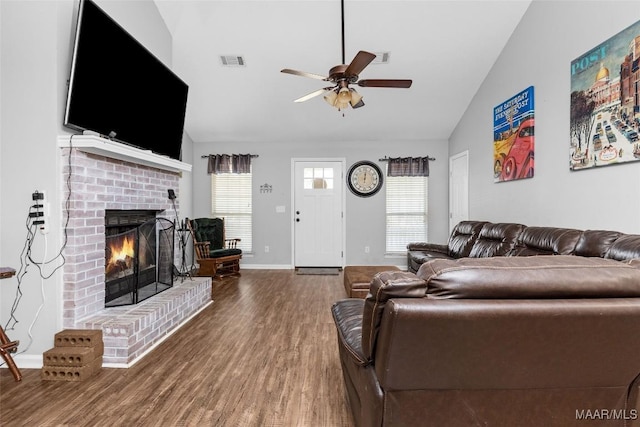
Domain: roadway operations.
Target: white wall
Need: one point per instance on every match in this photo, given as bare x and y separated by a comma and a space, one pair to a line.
36, 43
550, 35
365, 217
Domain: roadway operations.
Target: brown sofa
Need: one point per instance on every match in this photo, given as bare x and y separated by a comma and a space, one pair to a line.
496, 341
482, 239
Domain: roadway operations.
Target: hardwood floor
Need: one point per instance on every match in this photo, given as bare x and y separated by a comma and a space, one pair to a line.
263, 354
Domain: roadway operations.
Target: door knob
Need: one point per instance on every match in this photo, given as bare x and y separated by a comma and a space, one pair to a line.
297, 219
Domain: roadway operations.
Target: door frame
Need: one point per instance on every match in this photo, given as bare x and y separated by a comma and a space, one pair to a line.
465, 156
294, 160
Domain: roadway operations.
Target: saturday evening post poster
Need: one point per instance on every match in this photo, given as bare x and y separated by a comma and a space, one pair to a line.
605, 110
513, 137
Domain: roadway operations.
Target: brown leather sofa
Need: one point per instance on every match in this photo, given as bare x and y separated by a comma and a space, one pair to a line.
481, 239
499, 341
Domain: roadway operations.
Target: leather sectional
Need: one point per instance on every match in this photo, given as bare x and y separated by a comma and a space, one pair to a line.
499, 340
481, 239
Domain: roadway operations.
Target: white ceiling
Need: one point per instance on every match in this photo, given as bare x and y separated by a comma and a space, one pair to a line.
446, 48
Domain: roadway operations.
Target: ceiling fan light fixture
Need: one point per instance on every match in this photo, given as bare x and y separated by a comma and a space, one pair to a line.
344, 95
356, 99
342, 105
331, 98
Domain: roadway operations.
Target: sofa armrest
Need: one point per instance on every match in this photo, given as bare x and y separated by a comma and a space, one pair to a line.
424, 246
384, 286
347, 315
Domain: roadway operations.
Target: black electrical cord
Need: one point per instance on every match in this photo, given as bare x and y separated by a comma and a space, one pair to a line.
25, 254
24, 264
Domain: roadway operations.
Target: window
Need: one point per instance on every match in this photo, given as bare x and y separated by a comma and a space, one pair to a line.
406, 211
231, 200
318, 178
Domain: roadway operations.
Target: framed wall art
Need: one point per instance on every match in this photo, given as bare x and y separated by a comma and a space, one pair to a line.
513, 137
605, 103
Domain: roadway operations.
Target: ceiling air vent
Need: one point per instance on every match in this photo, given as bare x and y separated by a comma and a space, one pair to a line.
381, 57
232, 61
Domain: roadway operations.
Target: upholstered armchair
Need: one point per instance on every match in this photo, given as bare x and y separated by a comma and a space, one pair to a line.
217, 256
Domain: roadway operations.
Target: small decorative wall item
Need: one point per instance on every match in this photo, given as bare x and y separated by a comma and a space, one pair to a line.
605, 104
266, 188
513, 137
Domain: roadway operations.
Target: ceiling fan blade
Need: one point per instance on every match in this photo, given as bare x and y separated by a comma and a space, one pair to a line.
304, 74
385, 83
359, 62
313, 94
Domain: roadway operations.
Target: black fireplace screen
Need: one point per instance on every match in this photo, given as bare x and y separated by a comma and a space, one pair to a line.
139, 262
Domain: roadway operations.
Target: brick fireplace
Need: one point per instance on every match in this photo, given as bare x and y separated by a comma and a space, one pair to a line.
98, 183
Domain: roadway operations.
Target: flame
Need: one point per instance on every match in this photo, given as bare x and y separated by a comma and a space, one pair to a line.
121, 252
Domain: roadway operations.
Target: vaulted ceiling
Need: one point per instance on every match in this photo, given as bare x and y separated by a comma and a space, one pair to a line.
446, 48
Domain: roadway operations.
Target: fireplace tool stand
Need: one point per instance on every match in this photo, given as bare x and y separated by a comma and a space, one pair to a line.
184, 235
183, 239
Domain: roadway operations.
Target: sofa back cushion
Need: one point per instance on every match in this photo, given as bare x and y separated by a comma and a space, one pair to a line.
495, 239
626, 247
462, 238
546, 241
595, 243
538, 277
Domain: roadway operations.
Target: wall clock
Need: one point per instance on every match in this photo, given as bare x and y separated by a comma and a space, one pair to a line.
364, 178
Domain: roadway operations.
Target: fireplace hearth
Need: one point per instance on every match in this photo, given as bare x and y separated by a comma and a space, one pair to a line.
138, 260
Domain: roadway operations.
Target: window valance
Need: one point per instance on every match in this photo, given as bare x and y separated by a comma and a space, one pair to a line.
229, 163
408, 166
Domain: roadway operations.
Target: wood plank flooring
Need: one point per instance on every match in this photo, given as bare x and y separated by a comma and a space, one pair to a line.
263, 354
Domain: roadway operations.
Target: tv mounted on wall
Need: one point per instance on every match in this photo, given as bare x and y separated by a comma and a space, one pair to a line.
121, 90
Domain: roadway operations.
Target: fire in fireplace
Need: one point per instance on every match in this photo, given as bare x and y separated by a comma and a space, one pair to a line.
121, 252
138, 260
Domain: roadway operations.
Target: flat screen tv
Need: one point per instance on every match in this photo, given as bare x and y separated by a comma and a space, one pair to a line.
121, 90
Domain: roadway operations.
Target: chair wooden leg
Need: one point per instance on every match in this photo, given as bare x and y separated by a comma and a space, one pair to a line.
6, 348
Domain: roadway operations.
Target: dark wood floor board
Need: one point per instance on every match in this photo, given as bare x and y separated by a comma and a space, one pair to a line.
263, 354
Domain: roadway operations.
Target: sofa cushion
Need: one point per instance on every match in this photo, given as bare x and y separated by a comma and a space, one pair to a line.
496, 239
546, 241
551, 277
595, 243
462, 238
626, 247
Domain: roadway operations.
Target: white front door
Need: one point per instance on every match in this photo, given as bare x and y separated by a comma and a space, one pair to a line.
318, 214
458, 188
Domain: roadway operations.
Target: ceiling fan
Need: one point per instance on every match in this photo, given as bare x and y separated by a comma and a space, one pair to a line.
340, 95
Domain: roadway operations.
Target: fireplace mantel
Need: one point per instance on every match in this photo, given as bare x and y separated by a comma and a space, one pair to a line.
115, 150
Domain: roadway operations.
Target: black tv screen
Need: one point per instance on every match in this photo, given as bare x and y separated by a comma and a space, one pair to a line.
119, 89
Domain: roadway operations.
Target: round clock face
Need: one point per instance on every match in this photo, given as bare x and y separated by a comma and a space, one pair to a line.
364, 178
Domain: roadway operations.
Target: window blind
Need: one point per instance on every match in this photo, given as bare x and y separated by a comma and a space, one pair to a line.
406, 211
231, 200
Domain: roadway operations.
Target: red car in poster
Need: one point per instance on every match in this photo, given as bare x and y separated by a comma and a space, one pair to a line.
519, 161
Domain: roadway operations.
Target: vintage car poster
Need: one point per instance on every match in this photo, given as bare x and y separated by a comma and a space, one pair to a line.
513, 137
605, 102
